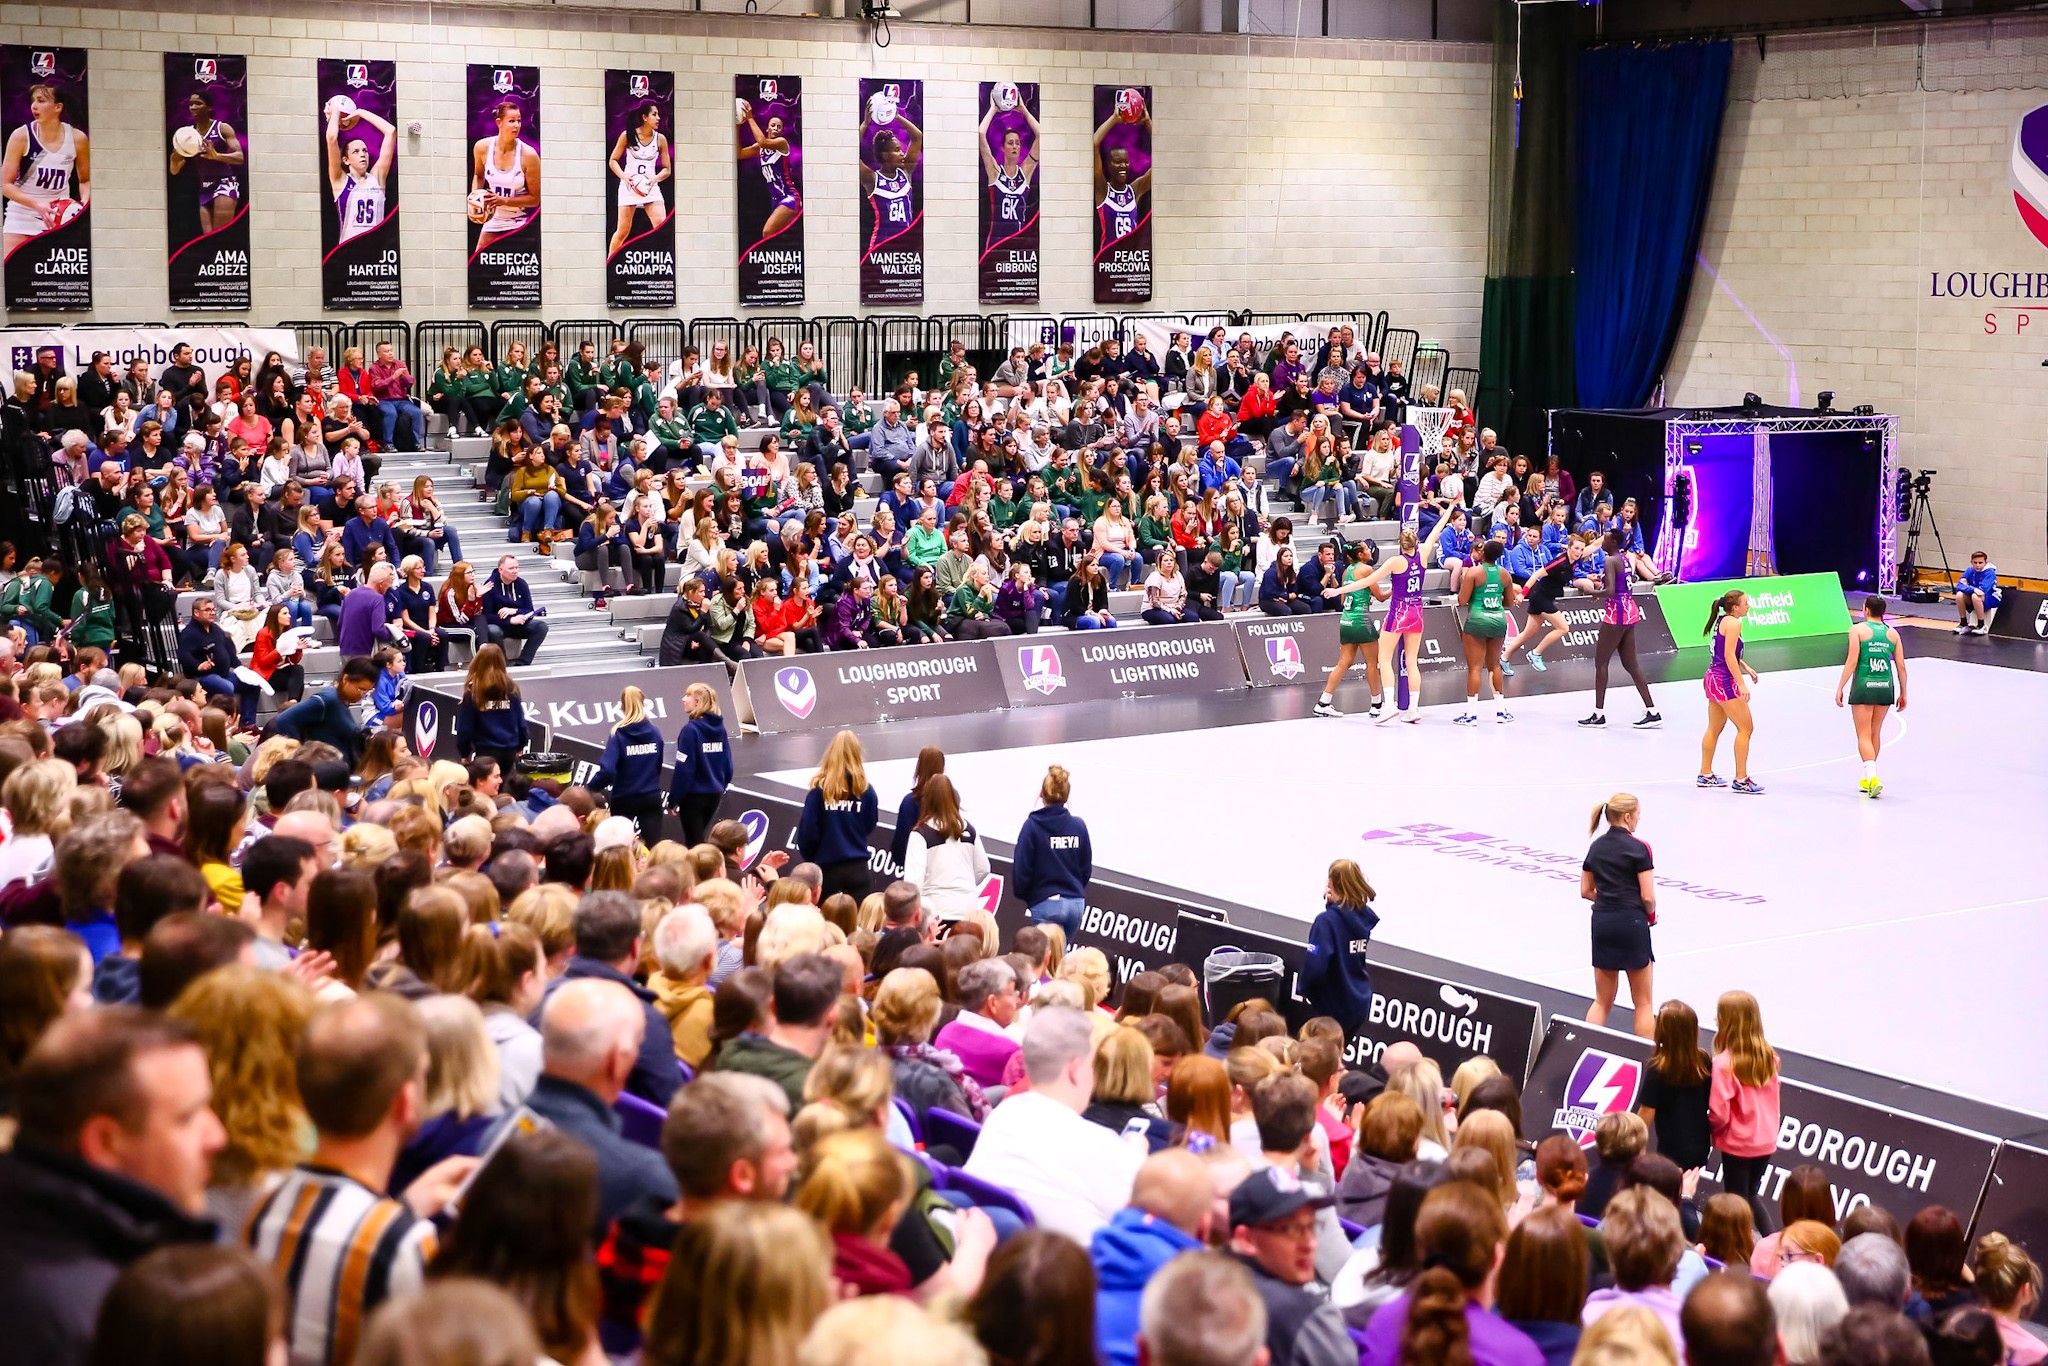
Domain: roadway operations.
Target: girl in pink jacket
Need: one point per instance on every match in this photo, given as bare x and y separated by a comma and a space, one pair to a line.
1742, 1101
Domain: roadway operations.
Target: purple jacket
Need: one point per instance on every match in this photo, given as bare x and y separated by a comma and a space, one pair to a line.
846, 623
362, 622
983, 1053
1012, 601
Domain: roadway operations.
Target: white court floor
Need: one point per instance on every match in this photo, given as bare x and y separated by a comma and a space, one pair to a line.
1907, 935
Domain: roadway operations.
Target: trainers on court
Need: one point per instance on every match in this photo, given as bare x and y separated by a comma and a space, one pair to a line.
1749, 787
1649, 720
1536, 662
1709, 780
1597, 721
1327, 709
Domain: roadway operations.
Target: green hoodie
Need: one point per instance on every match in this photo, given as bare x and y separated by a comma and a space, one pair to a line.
754, 1055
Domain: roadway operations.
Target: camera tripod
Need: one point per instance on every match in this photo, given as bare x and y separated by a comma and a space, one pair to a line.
1921, 518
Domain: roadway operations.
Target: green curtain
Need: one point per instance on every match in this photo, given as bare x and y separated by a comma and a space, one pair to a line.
1526, 327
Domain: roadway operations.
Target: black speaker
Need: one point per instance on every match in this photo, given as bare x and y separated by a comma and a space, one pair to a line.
1681, 501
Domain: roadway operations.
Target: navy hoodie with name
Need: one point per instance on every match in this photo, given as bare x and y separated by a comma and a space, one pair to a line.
496, 725
836, 832
1335, 977
703, 759
1053, 856
631, 764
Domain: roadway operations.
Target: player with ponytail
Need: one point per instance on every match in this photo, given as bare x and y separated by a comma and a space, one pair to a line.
1446, 1317
1874, 677
1404, 615
1618, 878
1727, 692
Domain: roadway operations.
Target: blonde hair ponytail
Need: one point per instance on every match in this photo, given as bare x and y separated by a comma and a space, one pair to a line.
632, 708
1614, 808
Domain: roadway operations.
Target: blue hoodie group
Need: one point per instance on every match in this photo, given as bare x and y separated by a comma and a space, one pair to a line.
1128, 1252
1053, 856
1335, 977
631, 764
703, 759
835, 832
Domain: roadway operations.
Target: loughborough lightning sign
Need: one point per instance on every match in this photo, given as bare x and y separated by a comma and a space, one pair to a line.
891, 150
640, 255
206, 188
1123, 194
768, 143
504, 187
1008, 140
46, 176
358, 184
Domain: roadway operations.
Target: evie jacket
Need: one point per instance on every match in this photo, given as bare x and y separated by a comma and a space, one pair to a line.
835, 832
631, 763
1053, 856
703, 759
498, 725
1334, 974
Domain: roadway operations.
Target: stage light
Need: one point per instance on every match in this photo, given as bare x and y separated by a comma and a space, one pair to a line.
1863, 576
1752, 406
1827, 401
1864, 410
1681, 500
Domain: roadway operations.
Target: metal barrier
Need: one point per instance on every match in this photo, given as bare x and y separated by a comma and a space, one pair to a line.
430, 339
372, 333
846, 355
1399, 344
531, 331
1462, 377
704, 333
1256, 319
1089, 329
971, 328
326, 336
1029, 329
661, 339
571, 333
900, 348
792, 331
1431, 364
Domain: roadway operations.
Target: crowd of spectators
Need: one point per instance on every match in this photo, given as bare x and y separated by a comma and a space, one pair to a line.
323, 1058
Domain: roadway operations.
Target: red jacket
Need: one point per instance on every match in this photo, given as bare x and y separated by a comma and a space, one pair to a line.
131, 568
770, 619
356, 385
1257, 403
1216, 426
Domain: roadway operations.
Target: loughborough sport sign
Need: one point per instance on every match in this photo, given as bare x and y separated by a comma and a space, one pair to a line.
864, 687
1872, 1154
1447, 1020
1095, 666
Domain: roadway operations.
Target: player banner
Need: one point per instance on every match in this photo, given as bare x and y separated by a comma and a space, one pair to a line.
47, 178
825, 692
1009, 192
769, 193
1123, 194
640, 258
359, 184
892, 191
206, 187
504, 186
1151, 661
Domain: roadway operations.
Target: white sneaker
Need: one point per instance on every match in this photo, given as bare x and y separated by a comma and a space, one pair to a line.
1650, 720
1384, 715
1465, 719
1980, 630
1412, 715
1326, 709
1502, 718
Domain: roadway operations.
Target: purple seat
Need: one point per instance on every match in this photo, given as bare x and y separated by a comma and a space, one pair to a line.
982, 1192
1351, 1230
639, 1120
955, 1131
685, 1071
910, 1118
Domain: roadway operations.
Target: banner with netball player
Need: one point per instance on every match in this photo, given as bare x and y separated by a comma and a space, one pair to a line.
46, 178
504, 186
1123, 194
206, 186
891, 151
639, 178
1009, 192
358, 183
768, 140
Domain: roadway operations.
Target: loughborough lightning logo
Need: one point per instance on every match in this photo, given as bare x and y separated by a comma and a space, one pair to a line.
1283, 655
1040, 665
755, 823
426, 729
795, 691
2030, 172
1601, 1085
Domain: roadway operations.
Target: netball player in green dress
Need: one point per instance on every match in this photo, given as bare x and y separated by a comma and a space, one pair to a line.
1485, 592
1874, 681
1357, 637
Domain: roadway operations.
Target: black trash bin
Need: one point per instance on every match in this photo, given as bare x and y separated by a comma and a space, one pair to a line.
1232, 976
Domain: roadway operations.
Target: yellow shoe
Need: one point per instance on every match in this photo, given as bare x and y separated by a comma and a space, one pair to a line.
1876, 787
1863, 786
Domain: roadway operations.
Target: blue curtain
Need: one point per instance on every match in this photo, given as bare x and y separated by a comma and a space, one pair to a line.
1649, 128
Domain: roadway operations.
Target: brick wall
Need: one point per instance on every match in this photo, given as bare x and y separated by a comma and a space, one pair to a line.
1829, 217
1289, 177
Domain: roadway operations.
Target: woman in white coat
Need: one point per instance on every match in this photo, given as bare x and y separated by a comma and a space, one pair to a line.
944, 857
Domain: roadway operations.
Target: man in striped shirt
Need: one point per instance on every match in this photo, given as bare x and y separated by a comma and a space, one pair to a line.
340, 1245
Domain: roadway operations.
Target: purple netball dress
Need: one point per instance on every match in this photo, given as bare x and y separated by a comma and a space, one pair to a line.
1404, 610
1720, 677
1621, 600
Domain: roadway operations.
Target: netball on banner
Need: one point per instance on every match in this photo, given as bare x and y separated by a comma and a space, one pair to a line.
358, 183
1123, 194
769, 195
503, 206
206, 186
46, 176
640, 252
1009, 192
891, 149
